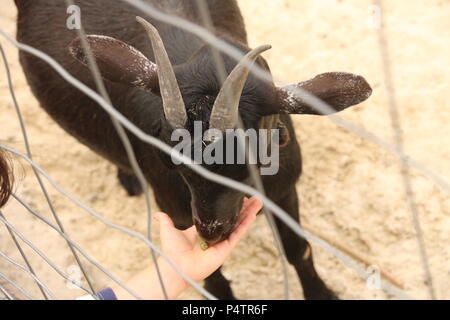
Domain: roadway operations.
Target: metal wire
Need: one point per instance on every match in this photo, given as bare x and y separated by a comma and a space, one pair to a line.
404, 169
32, 275
95, 71
15, 285
8, 296
107, 222
254, 173
28, 148
24, 257
298, 93
41, 254
41, 185
76, 246
232, 184
187, 161
292, 224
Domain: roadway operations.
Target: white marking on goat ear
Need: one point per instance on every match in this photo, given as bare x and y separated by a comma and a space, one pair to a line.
307, 253
290, 96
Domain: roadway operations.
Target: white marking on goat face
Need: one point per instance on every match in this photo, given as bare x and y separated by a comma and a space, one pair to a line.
211, 226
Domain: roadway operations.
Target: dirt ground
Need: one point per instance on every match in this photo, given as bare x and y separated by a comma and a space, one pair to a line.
351, 190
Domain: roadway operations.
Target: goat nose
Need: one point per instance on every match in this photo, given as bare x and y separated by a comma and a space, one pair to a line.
213, 231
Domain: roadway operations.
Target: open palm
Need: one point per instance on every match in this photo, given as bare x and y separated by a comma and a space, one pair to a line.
183, 247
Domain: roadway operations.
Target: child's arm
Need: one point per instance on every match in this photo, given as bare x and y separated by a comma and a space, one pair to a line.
183, 248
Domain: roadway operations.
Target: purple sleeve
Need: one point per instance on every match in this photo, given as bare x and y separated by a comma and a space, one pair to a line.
107, 294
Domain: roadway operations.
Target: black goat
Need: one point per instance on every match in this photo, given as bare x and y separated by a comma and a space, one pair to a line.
174, 95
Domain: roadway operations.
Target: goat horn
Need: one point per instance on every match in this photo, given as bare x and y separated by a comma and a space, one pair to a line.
174, 108
225, 111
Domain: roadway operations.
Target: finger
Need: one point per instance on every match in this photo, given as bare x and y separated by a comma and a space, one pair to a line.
246, 202
245, 209
244, 226
253, 204
225, 247
164, 220
240, 232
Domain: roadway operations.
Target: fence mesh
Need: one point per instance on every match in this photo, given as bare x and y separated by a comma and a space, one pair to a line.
87, 265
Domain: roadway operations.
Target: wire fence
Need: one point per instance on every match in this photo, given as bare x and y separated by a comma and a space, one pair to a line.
206, 33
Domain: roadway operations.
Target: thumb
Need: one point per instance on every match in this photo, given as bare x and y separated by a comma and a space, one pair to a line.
164, 220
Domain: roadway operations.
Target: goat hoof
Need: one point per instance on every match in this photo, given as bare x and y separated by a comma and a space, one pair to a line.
130, 183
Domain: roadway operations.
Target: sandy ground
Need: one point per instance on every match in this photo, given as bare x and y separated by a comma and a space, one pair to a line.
351, 190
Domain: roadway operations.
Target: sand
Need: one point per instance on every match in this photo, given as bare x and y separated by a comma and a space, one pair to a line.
351, 190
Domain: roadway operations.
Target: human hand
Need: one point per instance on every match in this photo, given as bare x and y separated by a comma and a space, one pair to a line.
183, 247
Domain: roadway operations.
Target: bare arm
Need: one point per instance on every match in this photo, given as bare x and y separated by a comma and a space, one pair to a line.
184, 250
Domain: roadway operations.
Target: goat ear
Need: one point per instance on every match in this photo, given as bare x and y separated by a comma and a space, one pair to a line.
338, 89
118, 62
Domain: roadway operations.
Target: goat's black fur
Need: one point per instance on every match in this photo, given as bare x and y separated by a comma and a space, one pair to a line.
42, 24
